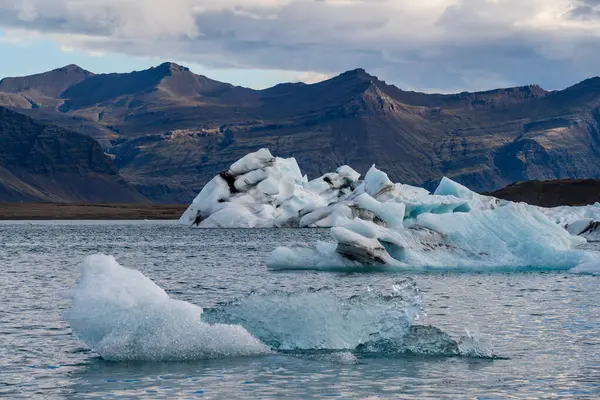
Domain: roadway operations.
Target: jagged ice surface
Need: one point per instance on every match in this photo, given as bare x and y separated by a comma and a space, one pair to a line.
323, 320
264, 191
376, 222
124, 316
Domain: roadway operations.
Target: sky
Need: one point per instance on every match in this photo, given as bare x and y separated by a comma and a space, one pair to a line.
426, 45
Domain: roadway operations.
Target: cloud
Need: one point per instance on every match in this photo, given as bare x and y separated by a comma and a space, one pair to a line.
443, 44
586, 10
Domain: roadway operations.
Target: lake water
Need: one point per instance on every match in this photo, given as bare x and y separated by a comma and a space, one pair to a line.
543, 327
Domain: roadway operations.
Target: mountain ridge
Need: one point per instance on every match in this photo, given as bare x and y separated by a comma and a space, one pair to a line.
169, 68
170, 130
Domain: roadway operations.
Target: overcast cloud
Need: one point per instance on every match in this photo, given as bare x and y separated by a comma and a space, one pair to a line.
431, 45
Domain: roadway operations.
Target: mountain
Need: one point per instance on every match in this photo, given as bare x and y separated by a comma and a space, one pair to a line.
170, 130
40, 162
564, 192
44, 90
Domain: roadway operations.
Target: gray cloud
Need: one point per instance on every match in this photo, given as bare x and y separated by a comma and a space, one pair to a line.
444, 45
586, 10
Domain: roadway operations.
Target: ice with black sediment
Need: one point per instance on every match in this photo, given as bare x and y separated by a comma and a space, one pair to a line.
377, 223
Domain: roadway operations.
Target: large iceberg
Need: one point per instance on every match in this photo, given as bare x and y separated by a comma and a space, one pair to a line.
378, 223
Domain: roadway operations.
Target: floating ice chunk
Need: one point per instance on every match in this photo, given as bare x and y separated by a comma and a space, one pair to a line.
592, 268
260, 179
123, 315
511, 237
391, 224
515, 235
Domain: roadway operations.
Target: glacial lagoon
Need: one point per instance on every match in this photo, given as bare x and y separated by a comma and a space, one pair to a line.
522, 333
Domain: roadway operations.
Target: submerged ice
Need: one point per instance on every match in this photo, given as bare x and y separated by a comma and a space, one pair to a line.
322, 319
124, 316
377, 223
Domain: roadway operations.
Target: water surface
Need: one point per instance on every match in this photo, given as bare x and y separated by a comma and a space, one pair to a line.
543, 325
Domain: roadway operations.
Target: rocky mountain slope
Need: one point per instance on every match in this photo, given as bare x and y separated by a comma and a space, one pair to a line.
40, 162
170, 131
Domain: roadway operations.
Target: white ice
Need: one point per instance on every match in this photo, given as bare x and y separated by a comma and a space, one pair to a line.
123, 315
566, 215
508, 237
376, 222
262, 191
591, 268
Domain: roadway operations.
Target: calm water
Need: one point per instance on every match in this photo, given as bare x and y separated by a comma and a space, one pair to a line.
544, 326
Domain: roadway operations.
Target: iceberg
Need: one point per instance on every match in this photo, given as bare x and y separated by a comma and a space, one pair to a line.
124, 316
591, 268
377, 223
262, 191
504, 239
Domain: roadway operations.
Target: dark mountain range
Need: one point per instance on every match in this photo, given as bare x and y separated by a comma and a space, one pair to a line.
170, 131
565, 192
40, 162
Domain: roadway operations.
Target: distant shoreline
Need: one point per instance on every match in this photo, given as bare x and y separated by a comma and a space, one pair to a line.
62, 211
563, 192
